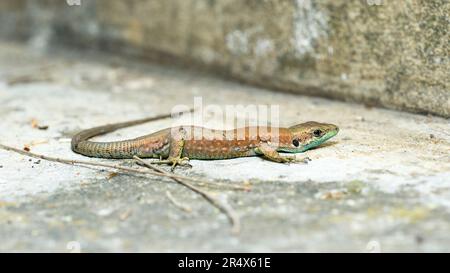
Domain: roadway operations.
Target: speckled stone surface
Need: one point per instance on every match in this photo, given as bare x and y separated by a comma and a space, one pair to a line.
381, 185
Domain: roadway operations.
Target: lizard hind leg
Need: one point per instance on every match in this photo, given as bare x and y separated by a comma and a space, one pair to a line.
175, 155
174, 161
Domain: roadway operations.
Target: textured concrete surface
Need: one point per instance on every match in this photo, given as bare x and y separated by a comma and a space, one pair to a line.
381, 185
389, 53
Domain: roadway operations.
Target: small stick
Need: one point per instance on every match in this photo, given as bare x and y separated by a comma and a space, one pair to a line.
156, 171
225, 208
176, 203
83, 162
140, 162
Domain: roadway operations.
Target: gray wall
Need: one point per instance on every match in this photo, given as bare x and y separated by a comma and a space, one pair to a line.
380, 52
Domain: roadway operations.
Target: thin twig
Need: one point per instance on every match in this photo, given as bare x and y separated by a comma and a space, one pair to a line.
89, 163
176, 203
198, 181
234, 219
225, 208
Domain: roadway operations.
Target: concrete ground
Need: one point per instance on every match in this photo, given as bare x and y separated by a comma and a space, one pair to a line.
383, 184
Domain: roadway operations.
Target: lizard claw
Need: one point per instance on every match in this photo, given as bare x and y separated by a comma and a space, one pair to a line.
303, 160
175, 161
179, 161
293, 159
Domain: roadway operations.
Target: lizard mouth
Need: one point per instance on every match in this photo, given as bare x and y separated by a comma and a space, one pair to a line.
319, 141
330, 134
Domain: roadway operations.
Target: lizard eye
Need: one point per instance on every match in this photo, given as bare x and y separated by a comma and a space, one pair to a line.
317, 133
295, 142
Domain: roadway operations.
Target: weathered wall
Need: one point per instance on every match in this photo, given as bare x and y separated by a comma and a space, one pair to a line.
380, 52
13, 21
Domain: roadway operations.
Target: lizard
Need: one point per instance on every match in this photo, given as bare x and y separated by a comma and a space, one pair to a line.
177, 145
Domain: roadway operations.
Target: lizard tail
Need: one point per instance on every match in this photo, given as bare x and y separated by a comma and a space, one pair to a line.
116, 149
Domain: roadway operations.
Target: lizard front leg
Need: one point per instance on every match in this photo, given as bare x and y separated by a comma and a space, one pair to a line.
269, 152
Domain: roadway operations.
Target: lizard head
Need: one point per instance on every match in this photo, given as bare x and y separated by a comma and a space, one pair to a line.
308, 135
